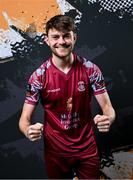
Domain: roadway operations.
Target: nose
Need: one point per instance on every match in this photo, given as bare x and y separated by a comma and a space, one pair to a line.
61, 40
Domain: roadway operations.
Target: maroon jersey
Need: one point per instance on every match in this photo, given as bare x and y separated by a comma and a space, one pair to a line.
66, 100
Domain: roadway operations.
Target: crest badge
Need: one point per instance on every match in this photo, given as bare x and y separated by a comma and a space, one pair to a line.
81, 86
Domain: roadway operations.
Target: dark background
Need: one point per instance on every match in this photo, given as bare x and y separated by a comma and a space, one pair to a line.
105, 38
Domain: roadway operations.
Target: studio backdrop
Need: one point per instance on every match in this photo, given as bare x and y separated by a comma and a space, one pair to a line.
105, 37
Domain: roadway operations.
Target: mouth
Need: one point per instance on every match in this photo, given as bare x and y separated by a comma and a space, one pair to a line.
62, 47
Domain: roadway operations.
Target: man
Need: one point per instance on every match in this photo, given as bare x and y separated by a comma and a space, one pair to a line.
64, 84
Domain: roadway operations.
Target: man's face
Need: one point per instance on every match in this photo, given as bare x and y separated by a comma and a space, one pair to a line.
61, 43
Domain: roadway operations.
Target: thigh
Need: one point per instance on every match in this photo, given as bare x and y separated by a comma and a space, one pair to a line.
88, 168
57, 167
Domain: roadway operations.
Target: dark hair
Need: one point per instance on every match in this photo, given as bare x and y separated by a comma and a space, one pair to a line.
61, 23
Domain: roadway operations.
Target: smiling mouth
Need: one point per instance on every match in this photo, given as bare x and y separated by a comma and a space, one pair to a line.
63, 47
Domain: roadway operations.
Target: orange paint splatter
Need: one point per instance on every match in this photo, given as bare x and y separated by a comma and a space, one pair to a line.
26, 12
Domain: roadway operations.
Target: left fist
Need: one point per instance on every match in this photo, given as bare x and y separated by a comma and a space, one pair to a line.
102, 122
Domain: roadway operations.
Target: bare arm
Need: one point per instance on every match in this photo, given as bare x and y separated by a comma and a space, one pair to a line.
33, 132
104, 121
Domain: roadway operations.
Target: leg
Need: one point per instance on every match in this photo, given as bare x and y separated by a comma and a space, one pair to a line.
88, 168
57, 167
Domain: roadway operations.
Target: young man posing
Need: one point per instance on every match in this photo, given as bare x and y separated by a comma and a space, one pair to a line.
65, 84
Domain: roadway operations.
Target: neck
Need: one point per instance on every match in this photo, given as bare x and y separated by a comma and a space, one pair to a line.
64, 64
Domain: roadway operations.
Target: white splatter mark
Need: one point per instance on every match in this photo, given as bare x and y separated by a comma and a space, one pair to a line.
66, 7
8, 37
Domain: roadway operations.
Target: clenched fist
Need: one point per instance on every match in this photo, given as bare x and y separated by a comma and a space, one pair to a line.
103, 122
34, 132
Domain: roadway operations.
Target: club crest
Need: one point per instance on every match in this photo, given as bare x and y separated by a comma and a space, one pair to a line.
81, 86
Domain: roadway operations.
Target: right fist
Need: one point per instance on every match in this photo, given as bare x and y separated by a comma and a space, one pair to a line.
34, 132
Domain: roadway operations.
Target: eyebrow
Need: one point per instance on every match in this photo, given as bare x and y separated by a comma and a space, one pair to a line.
55, 35
65, 34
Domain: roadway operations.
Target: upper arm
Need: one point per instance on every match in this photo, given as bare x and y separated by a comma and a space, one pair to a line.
98, 87
34, 88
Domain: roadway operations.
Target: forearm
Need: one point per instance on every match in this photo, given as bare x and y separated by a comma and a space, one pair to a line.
26, 118
104, 121
110, 112
32, 132
24, 124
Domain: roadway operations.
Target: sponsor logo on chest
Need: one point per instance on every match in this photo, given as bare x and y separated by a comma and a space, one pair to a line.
53, 90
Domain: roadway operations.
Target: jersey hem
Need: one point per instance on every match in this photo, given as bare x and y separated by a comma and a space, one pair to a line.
72, 154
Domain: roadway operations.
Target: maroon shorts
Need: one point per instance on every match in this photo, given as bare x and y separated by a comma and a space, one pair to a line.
65, 167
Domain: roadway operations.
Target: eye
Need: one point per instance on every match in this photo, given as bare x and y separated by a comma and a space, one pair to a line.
67, 36
55, 37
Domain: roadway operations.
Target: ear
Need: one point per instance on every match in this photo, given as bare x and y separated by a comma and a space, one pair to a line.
75, 37
46, 40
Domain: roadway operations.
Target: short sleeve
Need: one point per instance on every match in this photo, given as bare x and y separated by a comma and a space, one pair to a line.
34, 87
97, 80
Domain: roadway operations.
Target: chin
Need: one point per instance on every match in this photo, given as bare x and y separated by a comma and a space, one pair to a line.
62, 55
